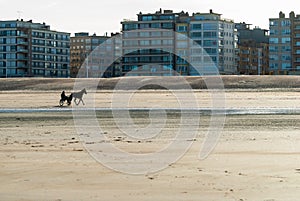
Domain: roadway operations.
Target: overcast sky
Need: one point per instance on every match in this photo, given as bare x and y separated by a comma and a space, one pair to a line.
100, 16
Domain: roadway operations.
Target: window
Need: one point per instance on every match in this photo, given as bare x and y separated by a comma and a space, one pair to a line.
182, 44
273, 40
197, 42
182, 68
167, 25
286, 57
167, 34
155, 25
196, 59
286, 65
182, 28
209, 43
144, 42
196, 34
209, 34
166, 17
196, 26
166, 58
156, 59
285, 23
128, 27
144, 59
273, 65
273, 57
181, 37
131, 43
286, 48
156, 42
286, 40
180, 60
147, 18
274, 23
210, 26
155, 34
211, 50
144, 26
286, 32
130, 34
167, 42
144, 34
182, 53
273, 49
196, 51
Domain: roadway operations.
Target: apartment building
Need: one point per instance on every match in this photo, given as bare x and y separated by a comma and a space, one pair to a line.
253, 50
148, 44
284, 42
30, 49
218, 38
89, 51
160, 43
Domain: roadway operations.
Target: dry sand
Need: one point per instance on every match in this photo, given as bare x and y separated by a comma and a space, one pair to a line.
257, 156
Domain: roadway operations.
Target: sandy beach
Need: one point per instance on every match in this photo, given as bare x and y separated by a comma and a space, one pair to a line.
257, 156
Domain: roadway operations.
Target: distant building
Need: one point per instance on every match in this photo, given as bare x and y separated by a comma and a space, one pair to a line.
285, 44
253, 50
83, 44
167, 52
218, 38
30, 49
145, 42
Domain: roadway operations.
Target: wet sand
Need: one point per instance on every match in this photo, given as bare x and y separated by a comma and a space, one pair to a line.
257, 156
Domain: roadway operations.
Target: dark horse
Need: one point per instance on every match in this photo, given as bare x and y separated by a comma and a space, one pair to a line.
64, 98
78, 95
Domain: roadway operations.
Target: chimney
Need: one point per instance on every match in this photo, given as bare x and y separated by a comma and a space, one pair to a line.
292, 14
210, 11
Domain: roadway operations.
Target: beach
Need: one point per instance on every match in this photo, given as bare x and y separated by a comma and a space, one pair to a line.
44, 157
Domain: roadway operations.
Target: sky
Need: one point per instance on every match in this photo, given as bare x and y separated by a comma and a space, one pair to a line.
101, 16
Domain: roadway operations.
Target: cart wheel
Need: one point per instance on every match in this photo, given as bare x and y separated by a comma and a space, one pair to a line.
61, 103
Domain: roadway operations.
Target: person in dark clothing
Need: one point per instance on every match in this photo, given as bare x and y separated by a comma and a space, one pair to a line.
63, 96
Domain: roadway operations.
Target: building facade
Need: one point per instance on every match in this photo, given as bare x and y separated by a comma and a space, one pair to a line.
30, 49
253, 50
149, 43
160, 43
218, 38
84, 55
285, 44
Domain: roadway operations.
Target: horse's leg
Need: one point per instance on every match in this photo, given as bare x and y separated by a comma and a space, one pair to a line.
77, 103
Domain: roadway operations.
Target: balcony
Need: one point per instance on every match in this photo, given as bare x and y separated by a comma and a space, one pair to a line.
22, 43
22, 58
22, 35
22, 50
20, 66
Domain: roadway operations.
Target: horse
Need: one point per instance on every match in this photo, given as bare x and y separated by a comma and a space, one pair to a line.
78, 95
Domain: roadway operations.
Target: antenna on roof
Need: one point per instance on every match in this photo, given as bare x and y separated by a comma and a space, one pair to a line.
19, 14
